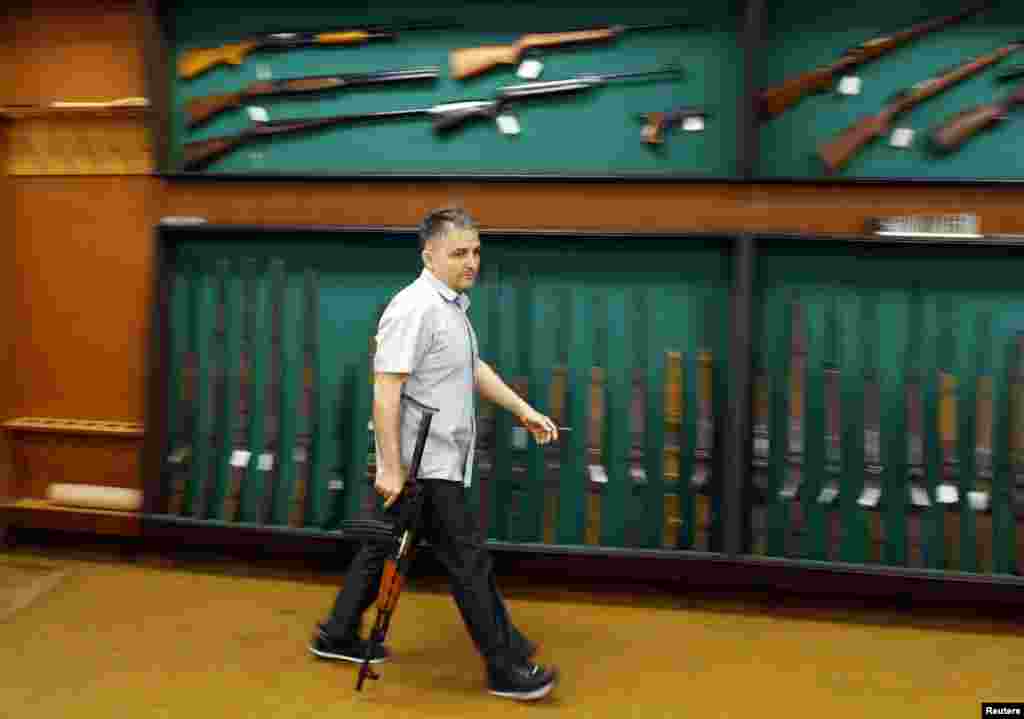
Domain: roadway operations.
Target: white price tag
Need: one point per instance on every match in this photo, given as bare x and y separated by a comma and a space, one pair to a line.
530, 69
257, 114
597, 474
335, 484
300, 455
978, 501
870, 496
901, 137
519, 438
240, 458
919, 497
946, 494
693, 124
508, 124
264, 72
265, 462
828, 495
179, 455
850, 85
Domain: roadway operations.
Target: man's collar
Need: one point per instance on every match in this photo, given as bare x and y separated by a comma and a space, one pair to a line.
444, 290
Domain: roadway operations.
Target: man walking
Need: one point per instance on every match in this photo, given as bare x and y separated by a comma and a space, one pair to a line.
427, 351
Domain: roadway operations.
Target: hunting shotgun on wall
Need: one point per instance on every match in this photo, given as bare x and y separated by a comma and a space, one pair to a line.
200, 109
469, 61
837, 153
446, 116
776, 100
194, 62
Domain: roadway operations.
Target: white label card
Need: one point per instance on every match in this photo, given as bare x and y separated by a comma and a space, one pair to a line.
264, 72
335, 484
508, 124
850, 85
530, 69
946, 494
869, 497
901, 137
265, 463
597, 474
978, 501
240, 458
919, 497
828, 494
257, 114
693, 124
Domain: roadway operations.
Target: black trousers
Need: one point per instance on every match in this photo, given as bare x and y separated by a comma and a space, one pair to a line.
454, 536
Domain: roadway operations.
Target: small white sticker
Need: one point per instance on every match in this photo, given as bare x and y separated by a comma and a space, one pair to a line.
519, 438
870, 496
300, 455
179, 455
978, 501
946, 494
257, 114
369, 425
530, 69
693, 124
850, 85
240, 458
901, 137
265, 463
264, 72
919, 497
597, 474
335, 484
828, 494
508, 124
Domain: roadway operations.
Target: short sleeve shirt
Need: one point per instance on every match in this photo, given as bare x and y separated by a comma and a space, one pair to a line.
426, 333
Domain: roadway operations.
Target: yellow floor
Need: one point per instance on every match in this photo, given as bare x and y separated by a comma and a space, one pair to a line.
157, 638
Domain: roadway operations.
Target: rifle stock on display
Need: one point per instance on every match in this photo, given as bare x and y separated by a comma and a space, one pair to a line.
201, 109
1017, 429
793, 479
980, 496
672, 516
947, 493
872, 494
597, 475
776, 100
918, 496
761, 457
833, 438
958, 129
472, 61
836, 153
552, 453
194, 62
701, 480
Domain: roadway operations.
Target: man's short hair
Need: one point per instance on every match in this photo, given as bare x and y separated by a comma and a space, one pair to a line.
440, 221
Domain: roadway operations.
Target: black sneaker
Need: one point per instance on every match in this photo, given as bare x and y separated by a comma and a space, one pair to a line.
352, 649
525, 682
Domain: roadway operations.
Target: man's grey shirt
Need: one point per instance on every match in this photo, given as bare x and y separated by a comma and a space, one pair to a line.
426, 333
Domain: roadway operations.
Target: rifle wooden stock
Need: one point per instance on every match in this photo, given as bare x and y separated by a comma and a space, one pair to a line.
964, 125
776, 100
200, 109
346, 37
390, 587
198, 61
470, 61
838, 152
200, 153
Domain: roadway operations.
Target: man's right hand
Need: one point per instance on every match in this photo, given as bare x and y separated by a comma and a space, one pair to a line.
389, 485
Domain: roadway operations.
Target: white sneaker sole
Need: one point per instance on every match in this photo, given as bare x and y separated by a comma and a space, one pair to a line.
529, 696
343, 657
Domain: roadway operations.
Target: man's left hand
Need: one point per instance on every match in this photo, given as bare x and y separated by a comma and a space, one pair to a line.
540, 426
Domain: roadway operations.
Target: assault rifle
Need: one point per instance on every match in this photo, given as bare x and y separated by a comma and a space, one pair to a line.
776, 100
446, 116
198, 60
959, 128
470, 61
836, 153
200, 109
400, 539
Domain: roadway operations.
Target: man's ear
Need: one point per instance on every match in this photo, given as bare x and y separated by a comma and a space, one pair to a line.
427, 257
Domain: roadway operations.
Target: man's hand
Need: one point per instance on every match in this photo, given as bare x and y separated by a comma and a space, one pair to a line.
540, 426
389, 485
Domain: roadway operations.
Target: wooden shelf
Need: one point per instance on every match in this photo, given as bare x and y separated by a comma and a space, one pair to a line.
40, 514
106, 138
74, 426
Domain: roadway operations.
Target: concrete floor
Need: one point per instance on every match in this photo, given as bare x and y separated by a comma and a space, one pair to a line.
168, 638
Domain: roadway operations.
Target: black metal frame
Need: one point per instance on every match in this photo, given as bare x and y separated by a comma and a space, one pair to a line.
733, 567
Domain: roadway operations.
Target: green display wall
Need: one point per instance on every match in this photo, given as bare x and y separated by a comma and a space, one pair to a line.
596, 133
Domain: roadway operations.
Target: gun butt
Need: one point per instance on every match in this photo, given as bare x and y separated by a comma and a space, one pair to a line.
469, 61
200, 109
195, 62
837, 153
776, 100
961, 127
201, 153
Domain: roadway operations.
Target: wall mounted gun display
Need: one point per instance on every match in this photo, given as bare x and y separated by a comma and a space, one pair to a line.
446, 116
